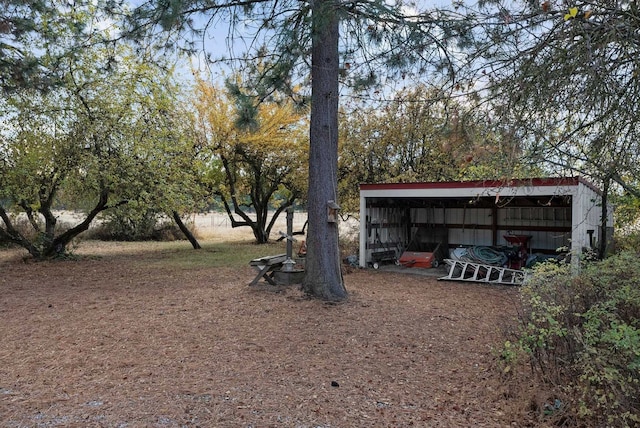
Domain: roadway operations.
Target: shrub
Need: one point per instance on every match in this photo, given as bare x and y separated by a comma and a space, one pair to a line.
629, 241
26, 229
582, 332
23, 226
124, 224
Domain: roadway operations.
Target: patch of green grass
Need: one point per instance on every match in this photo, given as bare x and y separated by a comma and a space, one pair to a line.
175, 254
219, 254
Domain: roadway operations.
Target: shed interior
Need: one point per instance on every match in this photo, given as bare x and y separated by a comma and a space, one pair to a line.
394, 225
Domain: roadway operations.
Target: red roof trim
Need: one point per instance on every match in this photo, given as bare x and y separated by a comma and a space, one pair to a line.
551, 181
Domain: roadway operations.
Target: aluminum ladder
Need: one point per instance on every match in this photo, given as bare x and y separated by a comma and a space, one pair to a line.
474, 272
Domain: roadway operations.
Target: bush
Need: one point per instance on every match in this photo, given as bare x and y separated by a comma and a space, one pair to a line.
582, 333
125, 224
628, 242
25, 228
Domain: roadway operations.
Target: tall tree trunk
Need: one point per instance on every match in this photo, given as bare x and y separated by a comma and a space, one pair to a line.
185, 230
323, 277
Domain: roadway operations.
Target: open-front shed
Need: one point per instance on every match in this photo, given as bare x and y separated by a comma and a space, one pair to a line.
544, 213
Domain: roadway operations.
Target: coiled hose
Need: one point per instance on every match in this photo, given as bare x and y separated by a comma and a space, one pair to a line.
485, 255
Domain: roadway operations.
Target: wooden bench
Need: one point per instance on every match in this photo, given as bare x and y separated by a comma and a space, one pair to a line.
265, 266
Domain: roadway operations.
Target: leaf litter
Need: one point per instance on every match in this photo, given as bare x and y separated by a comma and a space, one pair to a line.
117, 341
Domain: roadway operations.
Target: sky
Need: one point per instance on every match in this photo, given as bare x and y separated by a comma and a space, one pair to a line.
216, 42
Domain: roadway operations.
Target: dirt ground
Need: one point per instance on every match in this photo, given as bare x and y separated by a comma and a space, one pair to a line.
123, 341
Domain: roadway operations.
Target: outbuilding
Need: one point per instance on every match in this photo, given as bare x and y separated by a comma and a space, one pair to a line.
540, 214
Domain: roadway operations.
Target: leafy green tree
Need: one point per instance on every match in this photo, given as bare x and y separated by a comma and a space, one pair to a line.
367, 42
420, 134
562, 79
37, 37
258, 169
100, 139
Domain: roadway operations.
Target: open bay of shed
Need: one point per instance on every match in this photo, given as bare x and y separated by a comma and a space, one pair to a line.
552, 212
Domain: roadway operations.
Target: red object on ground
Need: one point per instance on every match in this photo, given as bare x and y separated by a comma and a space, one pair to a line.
417, 259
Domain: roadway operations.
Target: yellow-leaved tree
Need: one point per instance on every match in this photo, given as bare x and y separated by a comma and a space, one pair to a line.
258, 170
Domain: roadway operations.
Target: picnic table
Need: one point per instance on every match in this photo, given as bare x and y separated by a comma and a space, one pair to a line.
266, 267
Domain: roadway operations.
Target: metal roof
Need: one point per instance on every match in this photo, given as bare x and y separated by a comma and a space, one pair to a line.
557, 186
